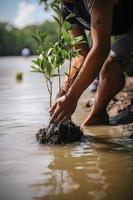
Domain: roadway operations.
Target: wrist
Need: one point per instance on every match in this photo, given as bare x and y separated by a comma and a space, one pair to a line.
72, 95
64, 86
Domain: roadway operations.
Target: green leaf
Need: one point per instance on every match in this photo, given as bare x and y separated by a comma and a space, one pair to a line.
55, 75
74, 54
56, 8
66, 74
56, 44
67, 37
42, 64
56, 19
65, 54
49, 70
70, 16
38, 71
40, 49
34, 67
44, 35
78, 40
35, 62
39, 62
67, 26
38, 33
49, 51
35, 38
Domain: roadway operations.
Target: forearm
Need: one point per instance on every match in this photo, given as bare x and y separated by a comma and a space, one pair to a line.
75, 68
78, 61
101, 23
90, 69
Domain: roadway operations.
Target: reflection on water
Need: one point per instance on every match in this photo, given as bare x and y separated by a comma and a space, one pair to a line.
87, 171
99, 169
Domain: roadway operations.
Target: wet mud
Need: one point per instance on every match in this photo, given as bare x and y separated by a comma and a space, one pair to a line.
125, 116
64, 133
120, 108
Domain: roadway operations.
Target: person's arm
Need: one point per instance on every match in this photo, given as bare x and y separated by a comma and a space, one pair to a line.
101, 24
78, 61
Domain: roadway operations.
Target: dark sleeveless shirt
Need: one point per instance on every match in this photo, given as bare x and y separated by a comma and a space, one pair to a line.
122, 15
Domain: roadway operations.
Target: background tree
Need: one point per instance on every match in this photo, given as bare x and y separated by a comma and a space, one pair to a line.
13, 40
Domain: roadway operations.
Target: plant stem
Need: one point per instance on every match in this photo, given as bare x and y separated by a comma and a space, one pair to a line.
70, 63
59, 81
47, 84
49, 88
51, 92
60, 25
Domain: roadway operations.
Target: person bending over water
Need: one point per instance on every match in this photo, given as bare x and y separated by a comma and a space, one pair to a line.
103, 18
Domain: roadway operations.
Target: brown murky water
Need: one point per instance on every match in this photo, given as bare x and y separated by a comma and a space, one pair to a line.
99, 169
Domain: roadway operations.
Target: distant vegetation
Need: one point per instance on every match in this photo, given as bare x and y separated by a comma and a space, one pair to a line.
13, 40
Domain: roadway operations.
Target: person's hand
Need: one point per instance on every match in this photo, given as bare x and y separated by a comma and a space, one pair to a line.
62, 109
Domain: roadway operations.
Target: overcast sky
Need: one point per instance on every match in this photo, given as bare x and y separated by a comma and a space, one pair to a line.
22, 12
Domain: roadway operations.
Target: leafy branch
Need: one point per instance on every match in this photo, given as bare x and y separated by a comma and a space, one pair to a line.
52, 57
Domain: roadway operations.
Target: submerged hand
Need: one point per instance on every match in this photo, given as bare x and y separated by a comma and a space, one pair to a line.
62, 109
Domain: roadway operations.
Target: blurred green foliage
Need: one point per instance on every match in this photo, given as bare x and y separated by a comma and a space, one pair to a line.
49, 3
13, 40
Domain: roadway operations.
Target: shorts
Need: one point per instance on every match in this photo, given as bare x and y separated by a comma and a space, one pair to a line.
122, 52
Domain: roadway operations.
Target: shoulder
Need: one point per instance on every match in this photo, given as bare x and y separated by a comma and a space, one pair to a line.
68, 1
89, 4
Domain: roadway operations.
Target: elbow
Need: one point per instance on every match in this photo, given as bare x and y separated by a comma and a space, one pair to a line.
80, 59
83, 54
101, 50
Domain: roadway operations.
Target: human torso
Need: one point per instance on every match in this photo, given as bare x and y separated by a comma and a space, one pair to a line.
122, 14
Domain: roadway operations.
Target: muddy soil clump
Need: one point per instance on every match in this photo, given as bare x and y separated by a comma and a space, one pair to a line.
64, 133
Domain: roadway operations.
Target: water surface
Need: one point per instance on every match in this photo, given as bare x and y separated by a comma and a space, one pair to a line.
98, 169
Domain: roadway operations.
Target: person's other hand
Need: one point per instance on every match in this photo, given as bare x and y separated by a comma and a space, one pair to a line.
62, 109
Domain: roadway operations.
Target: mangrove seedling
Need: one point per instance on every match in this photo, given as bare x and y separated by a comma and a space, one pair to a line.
52, 57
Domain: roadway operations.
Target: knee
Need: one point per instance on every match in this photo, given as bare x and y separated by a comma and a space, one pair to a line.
110, 69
